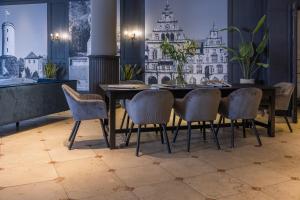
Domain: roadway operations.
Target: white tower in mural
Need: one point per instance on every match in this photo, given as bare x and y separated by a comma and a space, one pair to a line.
8, 39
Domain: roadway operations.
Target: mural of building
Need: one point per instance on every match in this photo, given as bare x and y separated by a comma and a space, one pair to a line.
35, 65
8, 39
209, 63
8, 62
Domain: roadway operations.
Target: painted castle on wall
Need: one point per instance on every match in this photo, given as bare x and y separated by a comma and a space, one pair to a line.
209, 63
30, 67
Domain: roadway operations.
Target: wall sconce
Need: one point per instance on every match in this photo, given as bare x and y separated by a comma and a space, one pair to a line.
133, 35
60, 37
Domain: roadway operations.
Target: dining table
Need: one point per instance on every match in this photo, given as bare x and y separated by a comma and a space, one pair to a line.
114, 93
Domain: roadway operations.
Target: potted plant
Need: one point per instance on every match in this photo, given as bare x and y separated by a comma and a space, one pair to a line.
130, 72
180, 54
50, 70
248, 53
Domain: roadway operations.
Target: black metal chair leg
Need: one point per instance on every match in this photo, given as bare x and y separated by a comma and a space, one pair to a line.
155, 128
288, 123
166, 137
232, 133
200, 127
177, 130
161, 134
129, 134
173, 122
189, 135
73, 130
244, 128
123, 119
256, 133
127, 125
236, 124
204, 131
74, 135
219, 124
105, 135
138, 141
215, 135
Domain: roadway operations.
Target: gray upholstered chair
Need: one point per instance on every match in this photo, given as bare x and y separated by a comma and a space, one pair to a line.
150, 107
241, 104
85, 107
284, 92
123, 102
198, 106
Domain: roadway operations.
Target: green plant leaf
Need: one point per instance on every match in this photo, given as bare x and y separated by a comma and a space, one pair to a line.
263, 44
231, 29
235, 58
259, 25
264, 65
246, 50
230, 50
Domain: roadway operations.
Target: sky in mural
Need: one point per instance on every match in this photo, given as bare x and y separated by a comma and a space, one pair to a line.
30, 21
195, 17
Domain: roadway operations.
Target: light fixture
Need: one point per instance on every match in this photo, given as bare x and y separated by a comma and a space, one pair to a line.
133, 35
63, 36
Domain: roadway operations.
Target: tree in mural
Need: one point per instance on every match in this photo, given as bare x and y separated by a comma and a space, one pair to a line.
79, 27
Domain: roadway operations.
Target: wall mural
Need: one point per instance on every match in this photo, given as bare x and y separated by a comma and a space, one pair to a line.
177, 21
23, 41
80, 46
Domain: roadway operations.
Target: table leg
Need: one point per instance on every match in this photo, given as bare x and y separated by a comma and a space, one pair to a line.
271, 120
112, 123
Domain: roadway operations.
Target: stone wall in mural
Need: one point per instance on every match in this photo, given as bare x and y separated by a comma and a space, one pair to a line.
210, 61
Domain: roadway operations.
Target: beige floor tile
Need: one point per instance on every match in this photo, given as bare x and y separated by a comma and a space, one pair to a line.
252, 153
144, 175
223, 159
216, 185
173, 190
116, 195
87, 178
123, 158
287, 190
257, 176
26, 174
61, 154
18, 154
286, 166
45, 190
187, 167
249, 195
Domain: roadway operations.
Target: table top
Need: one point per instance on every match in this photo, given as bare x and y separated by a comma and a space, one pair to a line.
128, 90
137, 87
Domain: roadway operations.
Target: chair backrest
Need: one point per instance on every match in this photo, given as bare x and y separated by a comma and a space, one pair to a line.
151, 107
244, 103
83, 108
202, 104
284, 93
71, 95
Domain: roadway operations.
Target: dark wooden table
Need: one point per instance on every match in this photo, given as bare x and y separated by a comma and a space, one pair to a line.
112, 94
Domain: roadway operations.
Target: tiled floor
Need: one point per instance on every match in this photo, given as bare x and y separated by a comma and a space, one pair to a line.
35, 164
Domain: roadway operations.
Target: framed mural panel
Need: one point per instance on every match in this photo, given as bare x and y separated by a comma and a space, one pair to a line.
179, 21
23, 42
80, 46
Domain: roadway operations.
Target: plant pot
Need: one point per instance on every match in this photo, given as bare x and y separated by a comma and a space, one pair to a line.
47, 80
247, 81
